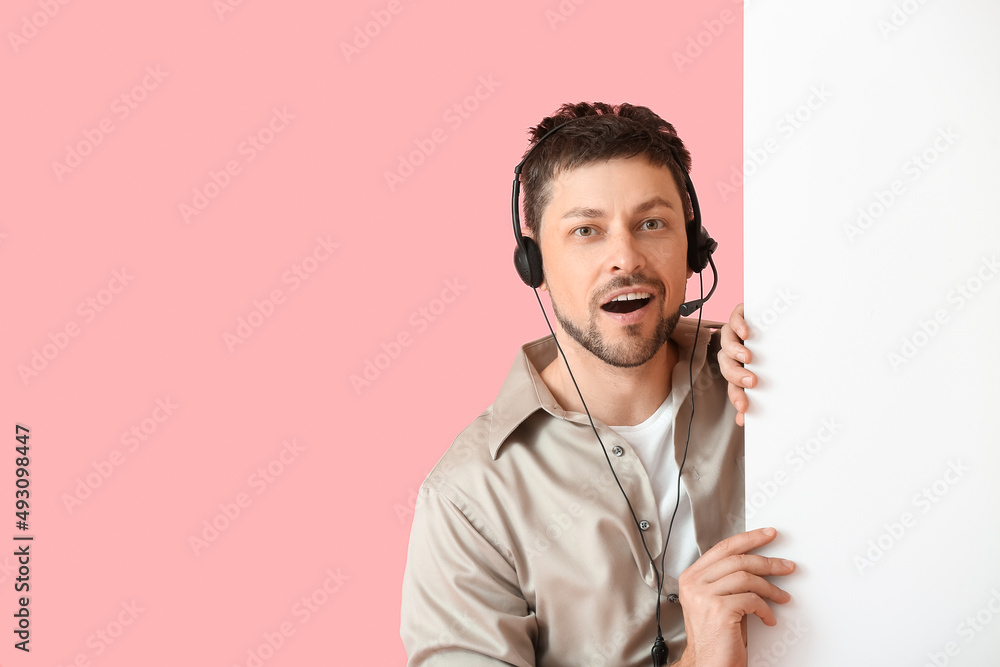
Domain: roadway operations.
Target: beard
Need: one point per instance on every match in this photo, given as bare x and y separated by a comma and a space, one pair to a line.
631, 352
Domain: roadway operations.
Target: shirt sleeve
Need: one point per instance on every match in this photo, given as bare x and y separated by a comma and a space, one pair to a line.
462, 604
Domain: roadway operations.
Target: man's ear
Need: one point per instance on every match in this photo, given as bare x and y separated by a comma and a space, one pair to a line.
527, 234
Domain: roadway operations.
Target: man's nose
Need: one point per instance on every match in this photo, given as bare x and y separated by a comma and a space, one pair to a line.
625, 254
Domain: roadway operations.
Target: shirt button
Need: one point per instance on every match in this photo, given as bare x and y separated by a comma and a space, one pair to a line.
644, 525
672, 597
617, 451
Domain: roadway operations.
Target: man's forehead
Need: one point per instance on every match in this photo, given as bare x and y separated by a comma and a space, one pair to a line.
579, 191
639, 163
653, 202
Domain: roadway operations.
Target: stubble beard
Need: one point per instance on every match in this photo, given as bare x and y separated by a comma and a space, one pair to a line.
634, 351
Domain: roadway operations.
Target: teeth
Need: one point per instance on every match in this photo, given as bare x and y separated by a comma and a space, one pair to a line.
632, 296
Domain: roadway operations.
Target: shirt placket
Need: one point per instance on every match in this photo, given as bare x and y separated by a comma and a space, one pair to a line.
635, 481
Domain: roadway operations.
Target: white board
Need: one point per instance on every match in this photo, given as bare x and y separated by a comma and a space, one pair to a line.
872, 146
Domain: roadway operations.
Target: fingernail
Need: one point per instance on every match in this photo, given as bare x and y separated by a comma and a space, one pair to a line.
747, 381
787, 563
768, 531
740, 357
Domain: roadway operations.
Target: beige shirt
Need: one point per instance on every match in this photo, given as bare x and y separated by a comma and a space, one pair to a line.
522, 549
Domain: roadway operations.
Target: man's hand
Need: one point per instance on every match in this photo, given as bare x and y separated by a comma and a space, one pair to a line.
732, 356
719, 590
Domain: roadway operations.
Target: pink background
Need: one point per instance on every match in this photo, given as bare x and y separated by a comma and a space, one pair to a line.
113, 516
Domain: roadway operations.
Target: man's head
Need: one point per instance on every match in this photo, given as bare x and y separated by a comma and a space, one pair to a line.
606, 131
607, 204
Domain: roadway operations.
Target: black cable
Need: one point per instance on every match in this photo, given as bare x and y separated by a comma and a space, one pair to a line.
687, 441
659, 648
603, 448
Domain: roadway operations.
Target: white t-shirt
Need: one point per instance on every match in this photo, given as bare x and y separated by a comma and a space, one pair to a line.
653, 443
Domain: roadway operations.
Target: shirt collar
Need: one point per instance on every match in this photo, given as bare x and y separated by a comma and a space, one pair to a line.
524, 392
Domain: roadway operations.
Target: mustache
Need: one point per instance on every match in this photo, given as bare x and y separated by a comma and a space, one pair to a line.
651, 284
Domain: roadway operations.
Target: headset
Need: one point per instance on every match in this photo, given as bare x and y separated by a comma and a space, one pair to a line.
528, 256
528, 262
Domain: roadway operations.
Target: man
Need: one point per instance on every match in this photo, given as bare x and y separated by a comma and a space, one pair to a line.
535, 542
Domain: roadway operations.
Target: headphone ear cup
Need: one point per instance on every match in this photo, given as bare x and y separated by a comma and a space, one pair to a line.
699, 251
528, 262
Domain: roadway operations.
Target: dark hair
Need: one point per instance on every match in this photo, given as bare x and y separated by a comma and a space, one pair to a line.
611, 131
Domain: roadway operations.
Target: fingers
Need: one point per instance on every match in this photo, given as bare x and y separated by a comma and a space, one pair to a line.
749, 603
732, 345
729, 363
725, 585
749, 567
738, 323
738, 397
729, 575
732, 355
740, 543
736, 376
738, 583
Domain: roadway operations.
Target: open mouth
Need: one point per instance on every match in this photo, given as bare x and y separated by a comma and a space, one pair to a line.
628, 303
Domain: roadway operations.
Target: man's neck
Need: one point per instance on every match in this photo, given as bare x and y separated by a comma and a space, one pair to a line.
615, 396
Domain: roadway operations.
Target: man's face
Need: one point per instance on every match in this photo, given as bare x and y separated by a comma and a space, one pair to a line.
612, 228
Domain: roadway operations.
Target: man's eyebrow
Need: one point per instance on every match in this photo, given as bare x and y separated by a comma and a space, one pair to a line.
583, 212
650, 204
589, 212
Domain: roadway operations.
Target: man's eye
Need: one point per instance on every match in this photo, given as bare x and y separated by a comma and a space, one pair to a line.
654, 224
584, 231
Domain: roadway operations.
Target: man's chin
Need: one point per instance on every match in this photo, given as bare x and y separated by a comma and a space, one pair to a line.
630, 354
621, 345
635, 344
628, 347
